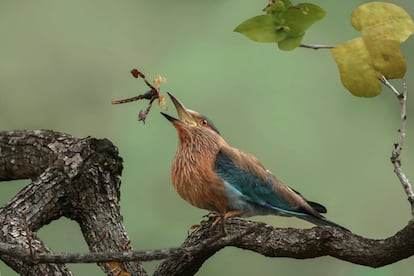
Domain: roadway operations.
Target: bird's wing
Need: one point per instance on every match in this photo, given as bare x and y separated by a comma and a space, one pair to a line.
247, 179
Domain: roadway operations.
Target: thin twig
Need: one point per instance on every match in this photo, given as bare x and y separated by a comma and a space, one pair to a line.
151, 95
396, 152
390, 86
90, 257
316, 46
141, 255
147, 95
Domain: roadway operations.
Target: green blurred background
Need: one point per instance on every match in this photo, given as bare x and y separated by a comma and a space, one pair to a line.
62, 62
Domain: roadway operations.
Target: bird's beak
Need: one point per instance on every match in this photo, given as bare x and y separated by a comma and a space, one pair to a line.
183, 115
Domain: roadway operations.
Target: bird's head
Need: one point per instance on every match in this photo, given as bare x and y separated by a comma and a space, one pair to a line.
188, 119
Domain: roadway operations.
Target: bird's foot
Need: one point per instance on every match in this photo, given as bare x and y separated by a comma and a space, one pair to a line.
231, 214
216, 216
217, 219
222, 218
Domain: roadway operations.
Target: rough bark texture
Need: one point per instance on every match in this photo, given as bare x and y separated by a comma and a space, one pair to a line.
79, 179
75, 178
288, 242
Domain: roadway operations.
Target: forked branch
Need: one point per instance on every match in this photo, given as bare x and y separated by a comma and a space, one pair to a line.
79, 179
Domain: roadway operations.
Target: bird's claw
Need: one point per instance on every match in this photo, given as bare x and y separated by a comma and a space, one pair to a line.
223, 217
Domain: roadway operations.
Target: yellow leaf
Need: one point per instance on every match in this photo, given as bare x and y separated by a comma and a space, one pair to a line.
377, 53
382, 21
387, 58
357, 74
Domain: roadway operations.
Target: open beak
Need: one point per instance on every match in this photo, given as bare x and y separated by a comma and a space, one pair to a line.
183, 115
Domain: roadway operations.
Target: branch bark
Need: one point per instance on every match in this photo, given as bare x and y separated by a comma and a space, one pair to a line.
75, 178
79, 179
292, 243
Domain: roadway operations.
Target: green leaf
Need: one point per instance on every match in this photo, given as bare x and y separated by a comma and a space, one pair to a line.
283, 22
290, 43
300, 17
262, 28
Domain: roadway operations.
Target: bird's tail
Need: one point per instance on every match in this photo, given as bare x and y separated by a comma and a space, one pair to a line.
323, 222
317, 220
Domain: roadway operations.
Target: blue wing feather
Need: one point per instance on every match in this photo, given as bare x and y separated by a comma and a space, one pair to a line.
247, 191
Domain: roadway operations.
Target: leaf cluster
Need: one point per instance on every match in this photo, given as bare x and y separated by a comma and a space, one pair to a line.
362, 61
283, 23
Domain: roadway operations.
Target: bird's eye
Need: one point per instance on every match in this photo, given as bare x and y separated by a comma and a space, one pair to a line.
204, 122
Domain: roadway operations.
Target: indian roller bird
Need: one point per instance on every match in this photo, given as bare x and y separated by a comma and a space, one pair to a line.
212, 175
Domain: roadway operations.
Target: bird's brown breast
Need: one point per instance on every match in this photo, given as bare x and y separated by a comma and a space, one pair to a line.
195, 181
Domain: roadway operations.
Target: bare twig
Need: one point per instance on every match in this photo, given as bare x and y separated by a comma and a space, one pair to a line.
390, 86
153, 92
316, 46
90, 257
147, 95
396, 152
151, 95
123, 256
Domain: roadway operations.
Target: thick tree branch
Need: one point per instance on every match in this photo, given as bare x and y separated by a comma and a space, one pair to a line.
293, 243
254, 236
75, 178
79, 179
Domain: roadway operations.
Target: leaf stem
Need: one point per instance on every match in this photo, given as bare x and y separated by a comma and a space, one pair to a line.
316, 46
390, 86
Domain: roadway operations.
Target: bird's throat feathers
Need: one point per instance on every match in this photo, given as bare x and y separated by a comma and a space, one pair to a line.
197, 140
196, 150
